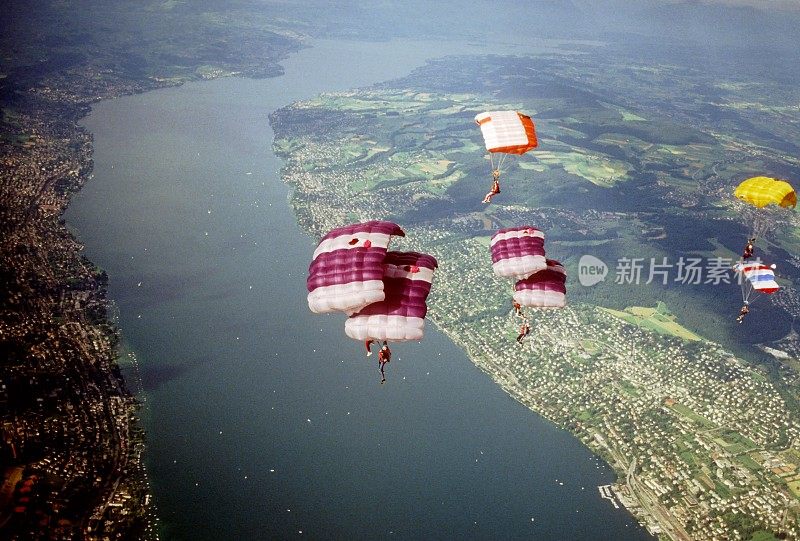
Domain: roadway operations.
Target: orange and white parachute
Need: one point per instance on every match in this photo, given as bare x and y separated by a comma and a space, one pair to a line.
504, 133
508, 132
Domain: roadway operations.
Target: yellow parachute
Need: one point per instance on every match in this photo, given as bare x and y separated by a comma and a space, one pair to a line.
767, 200
763, 191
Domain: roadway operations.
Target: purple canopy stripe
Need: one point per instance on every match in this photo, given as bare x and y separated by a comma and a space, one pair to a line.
518, 252
401, 316
544, 289
346, 273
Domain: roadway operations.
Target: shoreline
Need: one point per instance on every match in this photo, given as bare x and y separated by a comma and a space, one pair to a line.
68, 305
507, 385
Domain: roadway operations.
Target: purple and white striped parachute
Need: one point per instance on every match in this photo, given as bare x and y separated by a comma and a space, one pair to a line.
346, 273
544, 289
518, 251
407, 280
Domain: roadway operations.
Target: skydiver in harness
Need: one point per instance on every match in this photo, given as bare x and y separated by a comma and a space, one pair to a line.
743, 312
517, 308
749, 248
384, 356
524, 331
368, 344
495, 186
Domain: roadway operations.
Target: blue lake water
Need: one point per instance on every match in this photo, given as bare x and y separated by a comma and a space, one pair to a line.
264, 420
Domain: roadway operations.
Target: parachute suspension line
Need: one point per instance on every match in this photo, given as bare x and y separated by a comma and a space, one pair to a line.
749, 292
760, 226
746, 292
745, 286
750, 299
502, 159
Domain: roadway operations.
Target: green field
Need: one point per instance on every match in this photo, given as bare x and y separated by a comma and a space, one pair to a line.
761, 535
658, 319
749, 463
598, 169
689, 414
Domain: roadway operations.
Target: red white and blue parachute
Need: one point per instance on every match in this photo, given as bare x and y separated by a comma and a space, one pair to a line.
400, 316
346, 273
544, 289
756, 278
518, 251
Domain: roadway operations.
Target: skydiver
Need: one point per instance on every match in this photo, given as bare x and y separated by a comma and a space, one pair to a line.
524, 331
384, 356
749, 248
368, 344
495, 186
743, 312
517, 308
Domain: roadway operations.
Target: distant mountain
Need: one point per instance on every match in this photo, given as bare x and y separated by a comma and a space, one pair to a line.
452, 19
719, 24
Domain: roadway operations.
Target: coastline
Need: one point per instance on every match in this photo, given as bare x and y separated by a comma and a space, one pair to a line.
101, 450
510, 385
55, 321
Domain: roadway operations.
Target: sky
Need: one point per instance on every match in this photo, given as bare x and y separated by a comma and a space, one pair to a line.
763, 5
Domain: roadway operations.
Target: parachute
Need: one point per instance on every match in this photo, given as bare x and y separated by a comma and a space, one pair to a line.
507, 132
518, 252
346, 272
763, 191
400, 316
383, 292
765, 200
756, 278
543, 289
504, 133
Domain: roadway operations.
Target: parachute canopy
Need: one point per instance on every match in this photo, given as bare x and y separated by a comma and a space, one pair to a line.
509, 132
346, 273
544, 289
400, 316
518, 251
763, 191
757, 278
